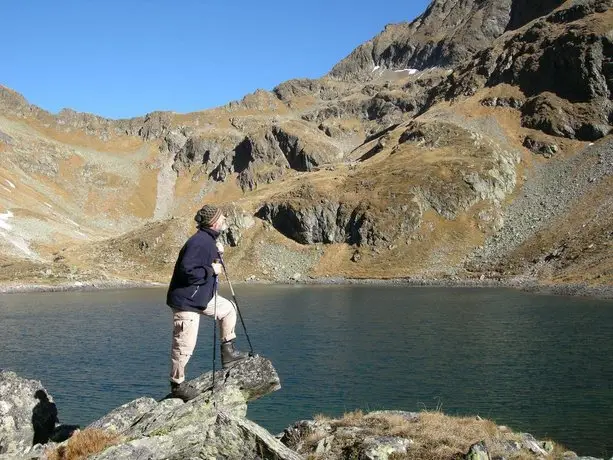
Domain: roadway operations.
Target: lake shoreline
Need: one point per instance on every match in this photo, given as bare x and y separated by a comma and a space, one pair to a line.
532, 286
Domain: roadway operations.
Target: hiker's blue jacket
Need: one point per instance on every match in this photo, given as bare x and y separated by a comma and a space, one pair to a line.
193, 280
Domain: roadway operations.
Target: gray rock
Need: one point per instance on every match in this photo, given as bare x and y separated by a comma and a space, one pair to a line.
155, 125
324, 88
540, 147
511, 102
305, 147
260, 100
295, 435
548, 193
169, 416
324, 445
215, 155
548, 446
122, 418
531, 444
524, 11
18, 407
308, 216
255, 376
213, 425
477, 451
175, 140
255, 438
381, 447
5, 138
310, 222
510, 448
238, 221
259, 159
227, 437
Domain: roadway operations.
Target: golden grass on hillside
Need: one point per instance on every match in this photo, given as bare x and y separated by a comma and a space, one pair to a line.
83, 444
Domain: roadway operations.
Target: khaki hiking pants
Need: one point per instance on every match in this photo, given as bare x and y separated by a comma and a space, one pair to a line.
185, 333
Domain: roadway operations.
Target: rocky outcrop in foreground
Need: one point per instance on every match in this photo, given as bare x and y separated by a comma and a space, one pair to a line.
214, 426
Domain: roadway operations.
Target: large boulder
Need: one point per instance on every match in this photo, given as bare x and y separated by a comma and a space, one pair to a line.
224, 436
24, 419
28, 418
213, 425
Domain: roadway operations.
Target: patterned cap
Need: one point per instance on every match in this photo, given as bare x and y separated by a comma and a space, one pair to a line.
207, 215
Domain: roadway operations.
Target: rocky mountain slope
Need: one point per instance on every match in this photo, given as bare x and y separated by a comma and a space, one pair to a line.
471, 143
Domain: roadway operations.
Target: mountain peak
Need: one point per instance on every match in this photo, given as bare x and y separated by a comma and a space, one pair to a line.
448, 32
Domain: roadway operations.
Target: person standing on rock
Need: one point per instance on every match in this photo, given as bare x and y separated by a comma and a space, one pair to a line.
192, 293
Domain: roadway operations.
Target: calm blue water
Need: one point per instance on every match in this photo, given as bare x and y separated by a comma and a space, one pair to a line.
536, 363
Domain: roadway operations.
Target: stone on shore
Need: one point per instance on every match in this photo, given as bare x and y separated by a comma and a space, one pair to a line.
478, 451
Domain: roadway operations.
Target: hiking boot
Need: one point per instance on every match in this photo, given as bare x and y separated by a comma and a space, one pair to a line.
229, 355
183, 391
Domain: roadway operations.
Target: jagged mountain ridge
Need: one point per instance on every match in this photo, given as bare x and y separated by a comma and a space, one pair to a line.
447, 33
336, 163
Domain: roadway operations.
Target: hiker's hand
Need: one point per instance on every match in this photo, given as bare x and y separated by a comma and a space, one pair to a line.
219, 247
216, 267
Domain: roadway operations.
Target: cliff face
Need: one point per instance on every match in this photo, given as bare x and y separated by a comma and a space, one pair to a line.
561, 63
447, 33
374, 170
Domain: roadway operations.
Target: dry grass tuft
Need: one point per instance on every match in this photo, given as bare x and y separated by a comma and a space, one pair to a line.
83, 444
436, 436
320, 418
355, 418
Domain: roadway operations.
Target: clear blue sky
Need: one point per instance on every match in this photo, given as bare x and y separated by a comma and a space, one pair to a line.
126, 58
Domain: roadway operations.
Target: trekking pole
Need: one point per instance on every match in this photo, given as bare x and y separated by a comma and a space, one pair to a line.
214, 336
225, 271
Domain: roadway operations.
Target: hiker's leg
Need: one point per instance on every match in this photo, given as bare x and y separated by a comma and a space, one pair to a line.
184, 336
226, 317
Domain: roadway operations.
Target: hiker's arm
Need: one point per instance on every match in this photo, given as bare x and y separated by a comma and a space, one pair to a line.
193, 265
